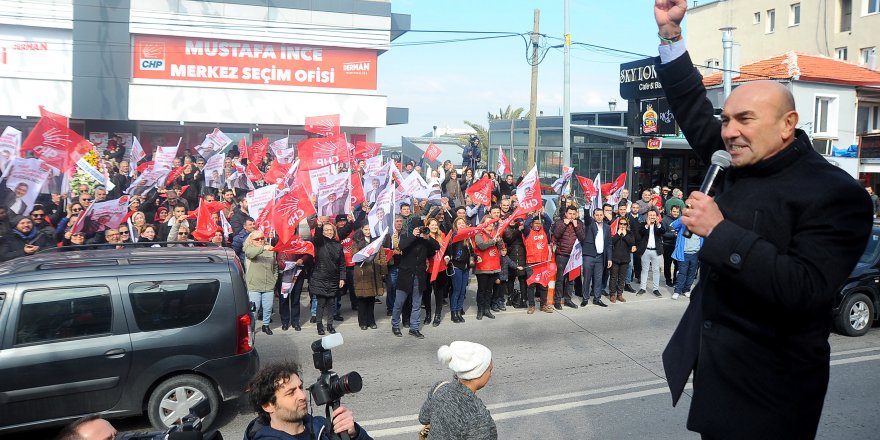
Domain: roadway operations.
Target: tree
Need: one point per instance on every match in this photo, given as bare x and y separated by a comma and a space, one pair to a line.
509, 113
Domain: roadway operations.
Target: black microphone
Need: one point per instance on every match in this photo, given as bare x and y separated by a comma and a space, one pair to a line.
720, 160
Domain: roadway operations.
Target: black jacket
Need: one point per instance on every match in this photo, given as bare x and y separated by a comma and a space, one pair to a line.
329, 266
756, 330
644, 235
621, 246
414, 261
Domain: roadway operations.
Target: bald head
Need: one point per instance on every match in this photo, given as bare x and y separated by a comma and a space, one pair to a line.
758, 121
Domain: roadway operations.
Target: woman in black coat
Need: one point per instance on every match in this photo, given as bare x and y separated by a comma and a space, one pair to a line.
328, 275
623, 244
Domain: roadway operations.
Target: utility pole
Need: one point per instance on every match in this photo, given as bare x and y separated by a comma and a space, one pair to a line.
566, 92
727, 44
533, 106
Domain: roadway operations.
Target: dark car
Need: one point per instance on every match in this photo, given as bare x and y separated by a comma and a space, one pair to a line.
122, 333
858, 300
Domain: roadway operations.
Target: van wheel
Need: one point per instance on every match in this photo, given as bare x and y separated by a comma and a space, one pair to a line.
174, 397
856, 315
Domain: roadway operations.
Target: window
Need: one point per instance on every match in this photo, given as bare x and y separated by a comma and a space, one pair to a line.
868, 119
160, 305
794, 16
825, 116
72, 312
866, 56
841, 53
871, 7
845, 15
822, 146
771, 21
757, 18
712, 64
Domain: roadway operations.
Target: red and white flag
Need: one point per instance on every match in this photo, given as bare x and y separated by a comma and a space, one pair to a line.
561, 184
432, 152
205, 224
438, 263
357, 190
543, 273
242, 148
615, 188
596, 202
295, 246
136, 154
503, 164
588, 187
471, 232
321, 152
519, 213
61, 119
326, 126
253, 173
366, 150
369, 251
276, 172
575, 261
257, 150
528, 192
289, 210
481, 191
282, 151
173, 175
55, 144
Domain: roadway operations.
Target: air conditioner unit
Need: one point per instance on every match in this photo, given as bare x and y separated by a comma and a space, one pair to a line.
823, 146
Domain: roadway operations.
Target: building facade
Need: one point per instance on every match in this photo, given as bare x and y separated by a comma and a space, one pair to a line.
842, 29
178, 68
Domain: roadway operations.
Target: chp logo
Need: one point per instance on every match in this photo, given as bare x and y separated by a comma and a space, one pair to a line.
151, 56
356, 67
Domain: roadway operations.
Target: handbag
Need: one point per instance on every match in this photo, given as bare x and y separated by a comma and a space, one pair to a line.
426, 429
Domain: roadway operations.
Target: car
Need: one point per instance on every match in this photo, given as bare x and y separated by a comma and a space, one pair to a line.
122, 333
549, 204
856, 304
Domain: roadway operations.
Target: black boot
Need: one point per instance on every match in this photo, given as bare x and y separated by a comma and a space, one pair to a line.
479, 313
488, 313
460, 316
330, 328
321, 329
428, 317
436, 319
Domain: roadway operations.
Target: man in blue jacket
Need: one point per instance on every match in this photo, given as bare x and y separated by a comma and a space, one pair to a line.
279, 398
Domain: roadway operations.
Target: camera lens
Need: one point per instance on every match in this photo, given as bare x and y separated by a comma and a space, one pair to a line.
347, 384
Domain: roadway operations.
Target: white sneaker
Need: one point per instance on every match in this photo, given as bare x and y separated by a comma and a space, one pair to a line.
674, 296
687, 294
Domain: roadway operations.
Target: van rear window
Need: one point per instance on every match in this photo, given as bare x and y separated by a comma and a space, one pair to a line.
160, 305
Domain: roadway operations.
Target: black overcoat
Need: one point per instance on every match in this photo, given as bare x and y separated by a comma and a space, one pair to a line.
756, 330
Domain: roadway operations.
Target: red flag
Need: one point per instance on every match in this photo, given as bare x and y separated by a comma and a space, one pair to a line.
531, 200
295, 246
366, 150
357, 190
54, 116
326, 126
55, 144
471, 232
173, 175
438, 262
481, 191
320, 152
519, 213
264, 219
257, 150
503, 163
205, 224
614, 226
432, 152
242, 148
619, 183
252, 172
588, 186
143, 167
389, 254
542, 273
276, 172
289, 210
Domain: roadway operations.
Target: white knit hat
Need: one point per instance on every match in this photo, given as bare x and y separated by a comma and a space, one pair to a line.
468, 360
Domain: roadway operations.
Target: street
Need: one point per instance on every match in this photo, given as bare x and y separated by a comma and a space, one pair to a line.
589, 373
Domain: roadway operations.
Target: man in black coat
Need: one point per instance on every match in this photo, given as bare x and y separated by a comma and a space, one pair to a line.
596, 250
23, 239
783, 231
412, 276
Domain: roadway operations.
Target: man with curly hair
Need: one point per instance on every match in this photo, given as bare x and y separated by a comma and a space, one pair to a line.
277, 395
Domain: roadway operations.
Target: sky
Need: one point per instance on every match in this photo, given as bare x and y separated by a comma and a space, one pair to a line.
445, 84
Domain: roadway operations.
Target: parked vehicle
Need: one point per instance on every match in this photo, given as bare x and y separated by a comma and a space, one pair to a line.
857, 303
122, 333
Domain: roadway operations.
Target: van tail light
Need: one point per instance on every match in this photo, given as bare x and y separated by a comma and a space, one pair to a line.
244, 335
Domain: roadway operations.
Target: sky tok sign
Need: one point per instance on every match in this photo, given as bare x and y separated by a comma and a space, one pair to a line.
246, 62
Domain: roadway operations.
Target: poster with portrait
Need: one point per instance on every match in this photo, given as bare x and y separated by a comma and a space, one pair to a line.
381, 216
10, 143
26, 178
259, 198
214, 176
99, 139
334, 195
105, 215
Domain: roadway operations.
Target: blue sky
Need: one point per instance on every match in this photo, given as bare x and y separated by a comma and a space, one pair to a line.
444, 84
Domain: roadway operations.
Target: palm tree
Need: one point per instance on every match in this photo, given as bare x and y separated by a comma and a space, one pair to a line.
483, 133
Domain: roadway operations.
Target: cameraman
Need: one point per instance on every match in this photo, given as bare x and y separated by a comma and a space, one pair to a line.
471, 153
278, 397
91, 427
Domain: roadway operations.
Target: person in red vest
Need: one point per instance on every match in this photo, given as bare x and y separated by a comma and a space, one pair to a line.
487, 251
537, 244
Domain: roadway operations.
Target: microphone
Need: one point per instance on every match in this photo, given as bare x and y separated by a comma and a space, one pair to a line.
720, 161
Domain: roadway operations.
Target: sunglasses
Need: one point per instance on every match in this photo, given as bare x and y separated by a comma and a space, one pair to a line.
124, 232
76, 210
623, 223
183, 233
37, 214
86, 200
259, 238
78, 235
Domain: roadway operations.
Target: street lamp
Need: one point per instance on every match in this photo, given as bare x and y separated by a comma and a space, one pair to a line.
612, 104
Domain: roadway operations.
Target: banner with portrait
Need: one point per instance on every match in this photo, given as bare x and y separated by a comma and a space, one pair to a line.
26, 178
334, 195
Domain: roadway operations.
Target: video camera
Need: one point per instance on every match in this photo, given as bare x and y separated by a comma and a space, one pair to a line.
189, 428
330, 387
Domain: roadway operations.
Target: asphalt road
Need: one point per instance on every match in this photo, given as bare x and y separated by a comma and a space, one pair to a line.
590, 373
